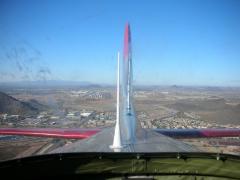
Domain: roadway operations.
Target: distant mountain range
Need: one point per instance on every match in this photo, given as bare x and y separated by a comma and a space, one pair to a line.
66, 83
46, 83
10, 105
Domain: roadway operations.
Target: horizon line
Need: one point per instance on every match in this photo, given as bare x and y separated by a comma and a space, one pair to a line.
88, 83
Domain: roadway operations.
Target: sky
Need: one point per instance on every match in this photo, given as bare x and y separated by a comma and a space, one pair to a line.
174, 42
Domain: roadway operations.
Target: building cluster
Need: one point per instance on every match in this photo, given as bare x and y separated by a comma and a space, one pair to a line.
6, 116
102, 119
82, 118
91, 94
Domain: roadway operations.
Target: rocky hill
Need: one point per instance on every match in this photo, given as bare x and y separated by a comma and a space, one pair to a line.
11, 105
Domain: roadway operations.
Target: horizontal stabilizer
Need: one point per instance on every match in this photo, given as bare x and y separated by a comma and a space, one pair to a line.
50, 132
199, 133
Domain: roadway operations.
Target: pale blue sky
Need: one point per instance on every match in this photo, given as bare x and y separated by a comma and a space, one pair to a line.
183, 42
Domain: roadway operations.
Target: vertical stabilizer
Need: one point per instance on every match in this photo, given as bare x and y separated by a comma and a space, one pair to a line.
128, 118
117, 144
127, 56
